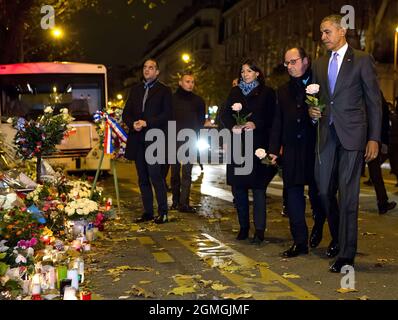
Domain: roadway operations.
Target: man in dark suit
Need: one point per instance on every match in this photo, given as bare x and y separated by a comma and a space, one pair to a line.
293, 130
349, 129
148, 107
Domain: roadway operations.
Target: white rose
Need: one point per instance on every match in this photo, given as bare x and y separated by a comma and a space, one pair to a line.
48, 110
64, 111
9, 120
237, 106
312, 89
260, 153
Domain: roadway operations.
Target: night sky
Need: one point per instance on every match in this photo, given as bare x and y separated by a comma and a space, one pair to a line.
116, 35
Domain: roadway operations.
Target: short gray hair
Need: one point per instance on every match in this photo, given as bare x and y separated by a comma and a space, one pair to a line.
335, 19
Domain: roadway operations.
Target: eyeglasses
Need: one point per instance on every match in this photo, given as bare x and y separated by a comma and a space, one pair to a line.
292, 62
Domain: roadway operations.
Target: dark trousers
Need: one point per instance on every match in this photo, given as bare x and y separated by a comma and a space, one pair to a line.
296, 209
181, 184
259, 207
376, 177
340, 170
151, 175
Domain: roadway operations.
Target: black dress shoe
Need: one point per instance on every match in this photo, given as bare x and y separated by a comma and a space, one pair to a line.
295, 250
316, 236
243, 234
339, 263
383, 208
161, 219
145, 217
333, 249
258, 237
187, 209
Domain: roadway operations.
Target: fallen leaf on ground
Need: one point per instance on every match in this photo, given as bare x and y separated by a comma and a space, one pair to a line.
123, 297
180, 291
346, 290
116, 279
287, 275
219, 287
206, 283
234, 296
318, 282
382, 260
140, 292
145, 282
170, 238
363, 298
368, 234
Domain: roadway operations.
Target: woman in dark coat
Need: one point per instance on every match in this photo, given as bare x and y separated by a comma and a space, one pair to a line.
258, 105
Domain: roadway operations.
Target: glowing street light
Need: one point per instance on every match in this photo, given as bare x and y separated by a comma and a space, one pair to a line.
186, 57
57, 33
119, 97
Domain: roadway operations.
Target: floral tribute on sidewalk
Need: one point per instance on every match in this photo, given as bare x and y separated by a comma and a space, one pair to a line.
46, 227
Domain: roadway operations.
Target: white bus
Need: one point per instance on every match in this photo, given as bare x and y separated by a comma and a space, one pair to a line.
27, 88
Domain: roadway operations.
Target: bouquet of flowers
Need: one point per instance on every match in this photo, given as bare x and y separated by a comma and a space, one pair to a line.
240, 120
40, 193
312, 100
35, 138
82, 189
82, 208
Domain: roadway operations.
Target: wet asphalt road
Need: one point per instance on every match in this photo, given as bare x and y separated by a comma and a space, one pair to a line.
196, 256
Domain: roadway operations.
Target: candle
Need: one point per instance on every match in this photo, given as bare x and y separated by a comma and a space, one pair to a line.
36, 288
51, 277
64, 283
70, 293
61, 274
85, 295
73, 274
90, 235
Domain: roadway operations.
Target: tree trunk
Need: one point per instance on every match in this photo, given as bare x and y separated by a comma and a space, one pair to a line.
38, 168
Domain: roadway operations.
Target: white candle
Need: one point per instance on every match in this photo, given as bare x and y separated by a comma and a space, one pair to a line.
51, 277
70, 293
90, 235
36, 288
74, 276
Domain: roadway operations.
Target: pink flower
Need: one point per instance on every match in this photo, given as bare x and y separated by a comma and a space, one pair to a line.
237, 106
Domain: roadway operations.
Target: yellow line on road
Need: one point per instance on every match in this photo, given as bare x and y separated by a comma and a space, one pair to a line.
163, 257
145, 240
247, 274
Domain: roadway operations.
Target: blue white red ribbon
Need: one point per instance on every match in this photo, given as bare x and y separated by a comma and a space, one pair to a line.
113, 131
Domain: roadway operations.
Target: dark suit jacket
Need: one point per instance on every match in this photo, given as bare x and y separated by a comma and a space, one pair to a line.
356, 102
293, 129
156, 114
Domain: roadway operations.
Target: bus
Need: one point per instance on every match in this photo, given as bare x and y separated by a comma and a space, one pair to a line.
26, 89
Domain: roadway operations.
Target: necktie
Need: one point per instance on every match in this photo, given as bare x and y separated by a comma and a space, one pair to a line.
145, 97
333, 71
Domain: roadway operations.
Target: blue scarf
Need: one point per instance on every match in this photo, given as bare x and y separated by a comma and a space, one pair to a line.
248, 87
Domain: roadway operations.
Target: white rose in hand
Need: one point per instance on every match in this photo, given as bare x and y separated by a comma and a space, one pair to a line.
237, 107
312, 89
48, 110
260, 153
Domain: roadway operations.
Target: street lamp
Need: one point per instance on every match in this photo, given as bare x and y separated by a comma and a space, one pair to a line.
57, 33
186, 57
119, 97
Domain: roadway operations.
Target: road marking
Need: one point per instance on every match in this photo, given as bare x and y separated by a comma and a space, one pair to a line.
145, 240
163, 257
247, 274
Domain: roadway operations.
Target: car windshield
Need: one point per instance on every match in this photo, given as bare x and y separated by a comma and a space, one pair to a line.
28, 95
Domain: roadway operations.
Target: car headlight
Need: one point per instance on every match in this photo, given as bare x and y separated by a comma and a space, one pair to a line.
202, 145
